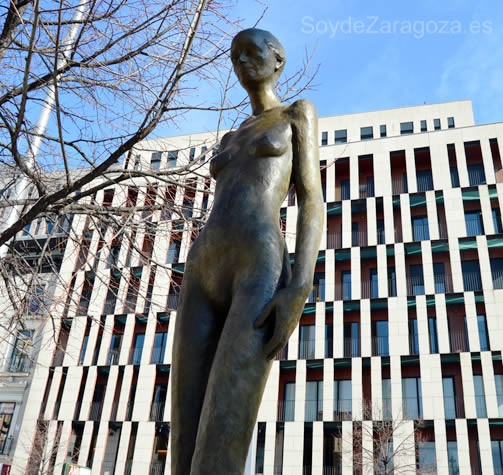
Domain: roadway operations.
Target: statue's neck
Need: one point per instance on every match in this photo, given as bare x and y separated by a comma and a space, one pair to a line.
262, 99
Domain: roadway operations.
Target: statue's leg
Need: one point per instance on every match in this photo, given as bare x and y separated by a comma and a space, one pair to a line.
196, 335
235, 386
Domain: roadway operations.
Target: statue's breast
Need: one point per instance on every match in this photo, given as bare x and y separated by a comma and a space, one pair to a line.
262, 139
272, 142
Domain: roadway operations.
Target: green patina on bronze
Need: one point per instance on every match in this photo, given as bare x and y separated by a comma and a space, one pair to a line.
239, 301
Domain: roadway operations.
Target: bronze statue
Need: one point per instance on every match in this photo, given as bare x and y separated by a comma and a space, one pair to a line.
239, 302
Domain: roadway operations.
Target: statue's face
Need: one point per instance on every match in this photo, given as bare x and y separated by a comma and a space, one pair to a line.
254, 62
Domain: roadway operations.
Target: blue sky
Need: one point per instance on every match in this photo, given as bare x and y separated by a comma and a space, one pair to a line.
385, 54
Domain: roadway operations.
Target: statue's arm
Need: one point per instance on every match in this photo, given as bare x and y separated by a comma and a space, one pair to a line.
288, 302
307, 181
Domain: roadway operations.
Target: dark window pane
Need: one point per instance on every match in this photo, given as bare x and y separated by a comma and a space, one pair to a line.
324, 138
497, 272
341, 136
454, 177
416, 284
424, 180
406, 128
366, 133
473, 220
471, 275
420, 228
476, 174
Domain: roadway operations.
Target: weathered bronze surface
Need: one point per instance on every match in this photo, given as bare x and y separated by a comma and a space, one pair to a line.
239, 300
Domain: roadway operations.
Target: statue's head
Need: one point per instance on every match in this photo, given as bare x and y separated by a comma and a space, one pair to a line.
257, 56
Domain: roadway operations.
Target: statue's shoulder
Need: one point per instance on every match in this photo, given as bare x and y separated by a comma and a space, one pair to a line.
302, 110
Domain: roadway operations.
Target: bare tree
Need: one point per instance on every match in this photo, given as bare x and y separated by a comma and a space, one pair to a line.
386, 443
43, 449
110, 73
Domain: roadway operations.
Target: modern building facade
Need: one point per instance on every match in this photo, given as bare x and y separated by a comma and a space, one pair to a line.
404, 324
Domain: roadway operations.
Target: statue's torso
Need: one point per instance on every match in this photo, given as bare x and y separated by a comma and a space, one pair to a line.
253, 170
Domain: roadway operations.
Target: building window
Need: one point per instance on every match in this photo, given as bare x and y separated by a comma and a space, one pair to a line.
133, 290
158, 402
497, 450
391, 282
329, 340
6, 414
476, 174
342, 400
413, 337
318, 292
341, 136
345, 190
366, 133
420, 228
406, 128
439, 277
374, 289
155, 161
412, 400
449, 398
172, 158
471, 275
259, 459
314, 401
497, 272
380, 232
496, 213
386, 398
436, 124
114, 350
483, 336
480, 396
416, 282
432, 330
424, 126
380, 342
288, 409
324, 139
159, 348
83, 349
426, 458
346, 285
382, 130
85, 296
136, 164
306, 342
19, 361
203, 150
173, 252
498, 379
137, 349
473, 220
355, 235
36, 301
351, 339
450, 122
454, 177
192, 154
424, 180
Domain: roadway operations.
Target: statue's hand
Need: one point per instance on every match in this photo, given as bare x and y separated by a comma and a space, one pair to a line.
286, 306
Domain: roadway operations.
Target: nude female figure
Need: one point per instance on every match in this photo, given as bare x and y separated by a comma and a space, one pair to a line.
239, 302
